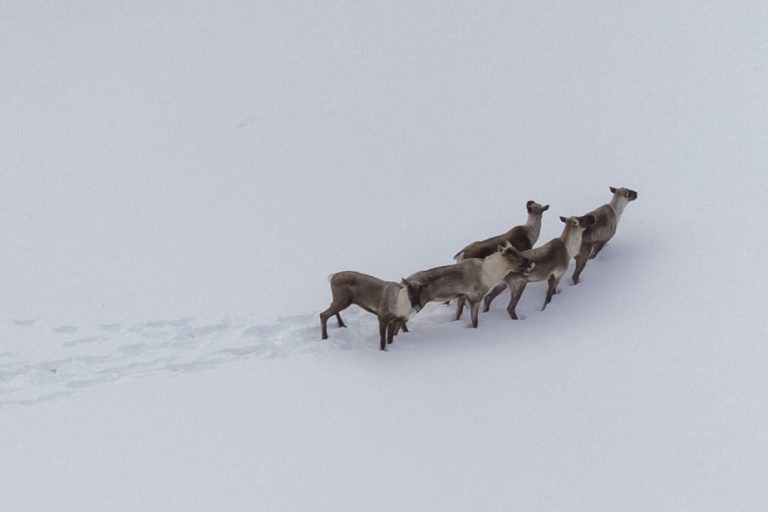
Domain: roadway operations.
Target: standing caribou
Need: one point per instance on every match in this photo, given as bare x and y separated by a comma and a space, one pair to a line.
551, 261
482, 270
470, 278
606, 221
521, 237
391, 302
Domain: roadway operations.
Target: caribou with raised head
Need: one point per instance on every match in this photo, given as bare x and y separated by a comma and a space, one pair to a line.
521, 237
606, 221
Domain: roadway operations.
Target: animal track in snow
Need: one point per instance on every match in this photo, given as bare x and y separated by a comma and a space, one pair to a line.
42, 364
26, 323
47, 366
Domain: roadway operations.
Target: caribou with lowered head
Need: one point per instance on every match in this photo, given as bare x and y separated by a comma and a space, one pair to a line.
521, 237
391, 302
469, 279
551, 261
606, 221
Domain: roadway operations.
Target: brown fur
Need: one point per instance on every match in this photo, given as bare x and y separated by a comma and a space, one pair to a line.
596, 236
551, 262
468, 279
521, 237
373, 295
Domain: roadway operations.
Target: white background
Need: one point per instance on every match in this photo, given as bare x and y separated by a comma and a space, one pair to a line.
211, 165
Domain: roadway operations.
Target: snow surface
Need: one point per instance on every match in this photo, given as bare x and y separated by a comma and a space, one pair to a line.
180, 179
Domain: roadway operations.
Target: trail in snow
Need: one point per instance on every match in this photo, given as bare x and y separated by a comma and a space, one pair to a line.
49, 361
76, 357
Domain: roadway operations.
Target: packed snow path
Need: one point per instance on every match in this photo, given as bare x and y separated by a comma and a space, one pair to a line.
79, 357
49, 361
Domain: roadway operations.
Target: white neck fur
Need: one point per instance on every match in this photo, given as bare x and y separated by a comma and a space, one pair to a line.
571, 237
618, 203
495, 268
534, 226
402, 305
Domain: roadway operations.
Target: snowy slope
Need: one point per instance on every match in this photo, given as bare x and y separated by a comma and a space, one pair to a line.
180, 180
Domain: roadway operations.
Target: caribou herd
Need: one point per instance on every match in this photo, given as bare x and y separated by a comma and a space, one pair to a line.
482, 270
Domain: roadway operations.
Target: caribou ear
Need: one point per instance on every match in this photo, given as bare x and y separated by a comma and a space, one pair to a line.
613, 190
563, 219
414, 285
588, 220
545, 208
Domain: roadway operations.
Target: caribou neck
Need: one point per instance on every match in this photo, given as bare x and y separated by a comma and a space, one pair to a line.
571, 237
495, 268
534, 225
402, 304
618, 203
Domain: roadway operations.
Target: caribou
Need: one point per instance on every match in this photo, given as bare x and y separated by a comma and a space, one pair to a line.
469, 279
606, 221
521, 237
391, 302
551, 261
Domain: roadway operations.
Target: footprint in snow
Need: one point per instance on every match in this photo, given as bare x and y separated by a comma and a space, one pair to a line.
82, 341
26, 323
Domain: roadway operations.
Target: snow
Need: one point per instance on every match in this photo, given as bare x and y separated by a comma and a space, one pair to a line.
180, 180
